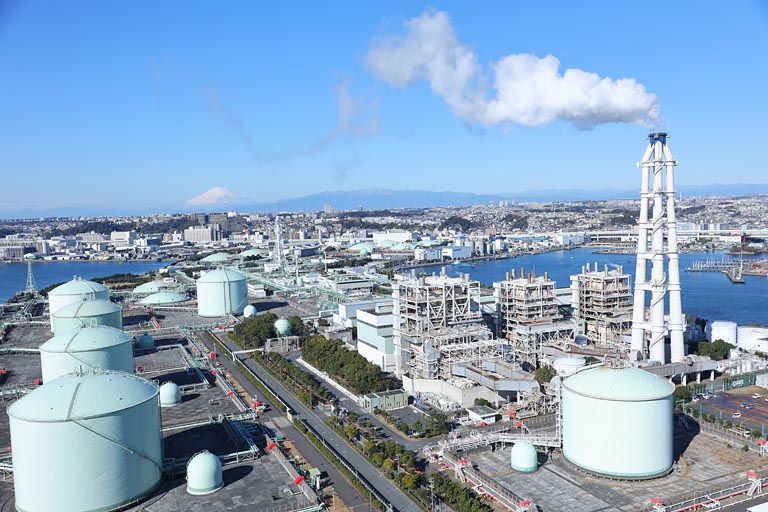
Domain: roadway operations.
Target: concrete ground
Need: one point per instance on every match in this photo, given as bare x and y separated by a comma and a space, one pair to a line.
704, 464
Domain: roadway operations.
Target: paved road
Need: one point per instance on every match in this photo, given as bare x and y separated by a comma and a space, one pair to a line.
385, 487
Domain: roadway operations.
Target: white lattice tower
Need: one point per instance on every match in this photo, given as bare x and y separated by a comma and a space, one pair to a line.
657, 197
31, 285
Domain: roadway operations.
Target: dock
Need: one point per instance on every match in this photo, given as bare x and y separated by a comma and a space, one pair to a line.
734, 274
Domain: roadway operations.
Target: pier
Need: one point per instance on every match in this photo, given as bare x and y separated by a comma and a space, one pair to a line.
711, 265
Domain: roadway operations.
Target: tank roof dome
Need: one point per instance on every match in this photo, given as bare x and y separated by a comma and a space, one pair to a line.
163, 298
150, 287
217, 257
77, 397
625, 384
170, 394
78, 286
145, 341
222, 275
250, 310
84, 308
86, 339
283, 326
204, 474
523, 457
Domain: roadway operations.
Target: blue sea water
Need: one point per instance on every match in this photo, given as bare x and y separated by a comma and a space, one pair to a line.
708, 295
13, 276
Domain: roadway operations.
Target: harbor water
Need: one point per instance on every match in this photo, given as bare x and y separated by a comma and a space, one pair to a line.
13, 276
709, 295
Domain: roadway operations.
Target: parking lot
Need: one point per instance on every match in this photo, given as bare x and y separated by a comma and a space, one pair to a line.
738, 406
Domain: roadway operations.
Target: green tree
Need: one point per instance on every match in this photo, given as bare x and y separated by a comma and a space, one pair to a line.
682, 393
254, 331
483, 401
544, 374
717, 350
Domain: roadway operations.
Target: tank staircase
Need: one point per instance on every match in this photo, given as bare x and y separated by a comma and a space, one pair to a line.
6, 467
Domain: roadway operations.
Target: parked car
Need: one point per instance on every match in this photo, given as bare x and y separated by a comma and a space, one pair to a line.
736, 415
757, 395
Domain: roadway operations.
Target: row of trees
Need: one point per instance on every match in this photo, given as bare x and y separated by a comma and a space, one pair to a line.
717, 350
457, 496
304, 385
349, 367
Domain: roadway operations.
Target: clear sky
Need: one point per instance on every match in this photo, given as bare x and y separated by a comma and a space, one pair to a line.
147, 104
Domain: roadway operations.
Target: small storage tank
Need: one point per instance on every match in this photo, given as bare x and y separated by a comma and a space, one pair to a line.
221, 292
204, 474
74, 291
752, 338
86, 442
524, 457
86, 348
724, 330
170, 394
150, 287
617, 422
568, 365
145, 341
283, 327
163, 298
88, 313
249, 311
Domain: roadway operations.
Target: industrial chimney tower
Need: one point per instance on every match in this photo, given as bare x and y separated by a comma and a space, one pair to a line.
658, 187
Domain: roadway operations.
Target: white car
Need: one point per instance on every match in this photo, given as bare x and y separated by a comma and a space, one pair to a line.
757, 395
736, 415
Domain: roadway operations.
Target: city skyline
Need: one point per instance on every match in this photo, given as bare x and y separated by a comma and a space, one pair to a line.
151, 106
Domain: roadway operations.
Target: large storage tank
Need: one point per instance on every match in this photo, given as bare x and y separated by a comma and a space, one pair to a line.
86, 348
222, 292
88, 313
74, 291
752, 338
617, 422
724, 330
85, 443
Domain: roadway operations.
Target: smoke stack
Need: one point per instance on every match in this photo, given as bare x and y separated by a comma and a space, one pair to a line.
546, 276
507, 276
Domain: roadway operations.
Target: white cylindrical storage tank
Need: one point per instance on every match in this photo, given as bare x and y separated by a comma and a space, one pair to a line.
249, 311
752, 338
204, 474
617, 422
86, 348
568, 365
164, 298
221, 292
524, 457
170, 394
86, 442
88, 313
74, 291
724, 330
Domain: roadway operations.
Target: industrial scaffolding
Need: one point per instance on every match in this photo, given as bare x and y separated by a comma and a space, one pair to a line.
525, 300
441, 349
435, 302
602, 300
528, 339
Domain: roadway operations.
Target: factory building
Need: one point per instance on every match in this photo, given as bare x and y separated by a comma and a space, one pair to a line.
602, 303
375, 338
529, 314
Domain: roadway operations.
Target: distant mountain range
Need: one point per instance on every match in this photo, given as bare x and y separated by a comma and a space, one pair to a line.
376, 199
221, 199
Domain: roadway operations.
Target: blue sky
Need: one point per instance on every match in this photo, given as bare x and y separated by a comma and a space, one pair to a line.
146, 104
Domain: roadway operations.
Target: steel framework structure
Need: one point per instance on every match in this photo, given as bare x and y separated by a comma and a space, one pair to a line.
657, 165
603, 301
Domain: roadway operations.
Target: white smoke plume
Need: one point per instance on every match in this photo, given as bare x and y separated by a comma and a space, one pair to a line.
521, 88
